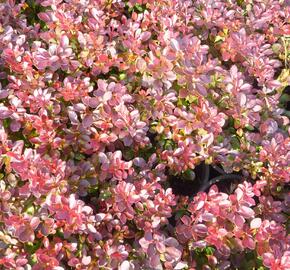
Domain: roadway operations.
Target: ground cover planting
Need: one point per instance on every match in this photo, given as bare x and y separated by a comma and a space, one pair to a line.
144, 135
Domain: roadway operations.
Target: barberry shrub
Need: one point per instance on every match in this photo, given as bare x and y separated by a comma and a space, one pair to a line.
107, 111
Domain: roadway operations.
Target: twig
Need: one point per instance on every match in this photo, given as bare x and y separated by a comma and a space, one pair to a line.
218, 169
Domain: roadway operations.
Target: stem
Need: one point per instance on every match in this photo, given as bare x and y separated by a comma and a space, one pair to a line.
220, 178
218, 169
285, 52
206, 173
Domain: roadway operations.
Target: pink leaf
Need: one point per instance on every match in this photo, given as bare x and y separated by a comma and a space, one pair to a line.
247, 212
256, 223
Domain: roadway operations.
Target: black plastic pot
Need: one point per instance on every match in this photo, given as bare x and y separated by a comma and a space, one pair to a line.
186, 187
206, 176
223, 180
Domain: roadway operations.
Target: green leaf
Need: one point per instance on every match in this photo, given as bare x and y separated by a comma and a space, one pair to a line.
128, 153
6, 123
79, 156
32, 247
59, 233
30, 210
105, 194
93, 190
235, 143
220, 139
218, 39
231, 121
169, 144
240, 2
139, 7
209, 250
192, 99
122, 76
33, 260
180, 213
285, 98
232, 130
249, 127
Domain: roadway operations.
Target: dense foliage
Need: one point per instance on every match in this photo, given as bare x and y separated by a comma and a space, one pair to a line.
103, 101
